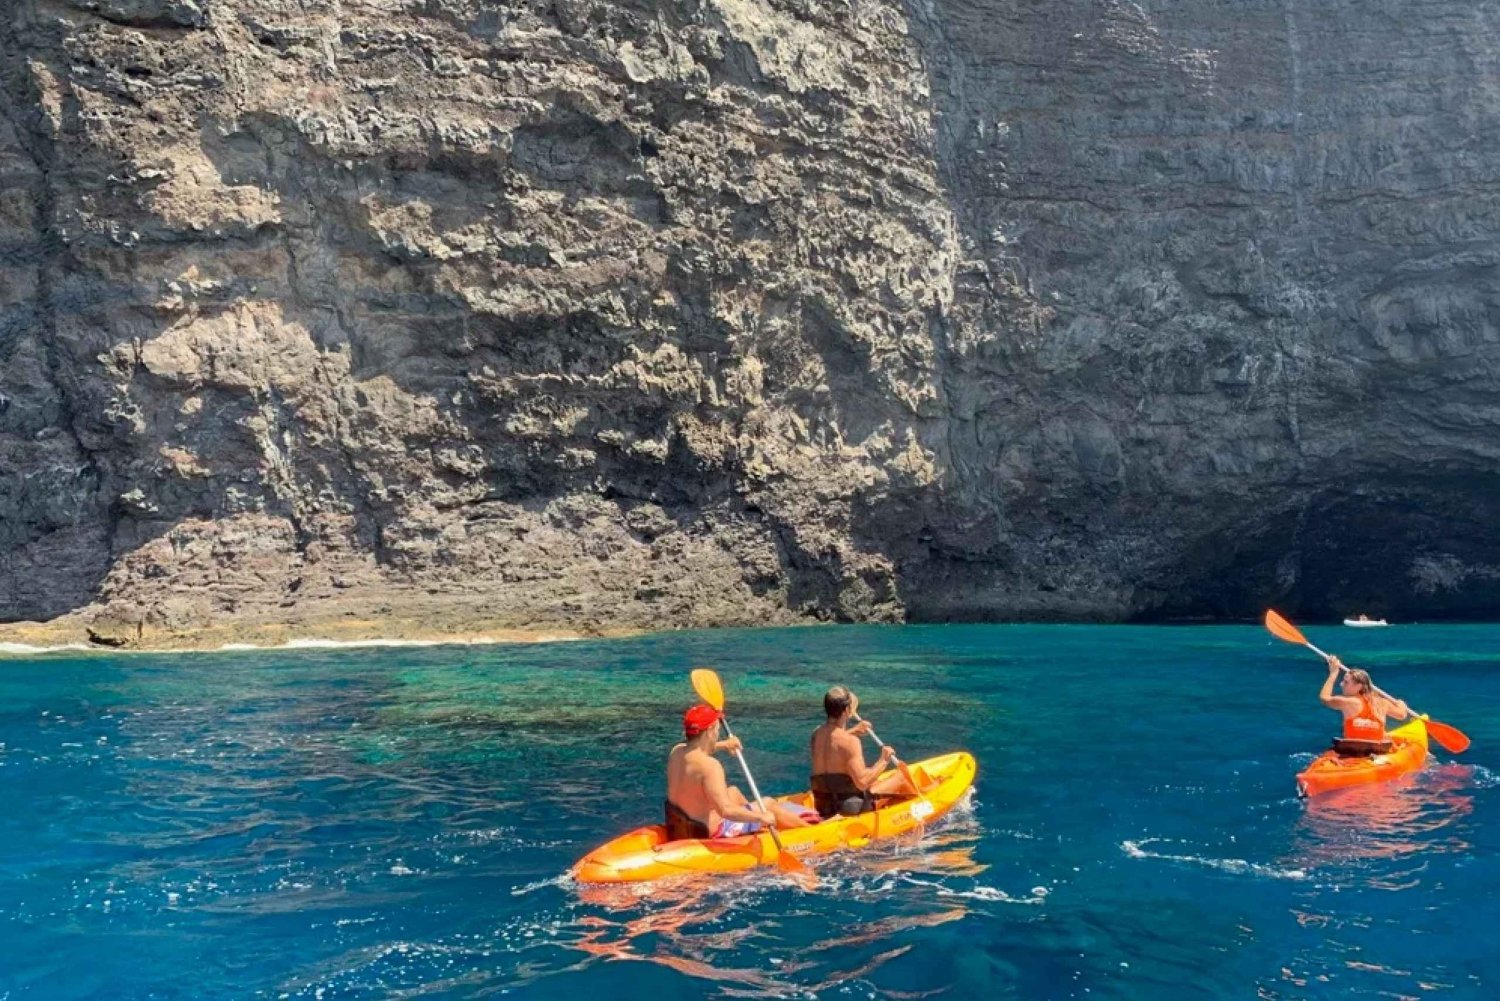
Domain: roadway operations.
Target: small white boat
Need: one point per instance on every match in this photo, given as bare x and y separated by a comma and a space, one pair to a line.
1365, 622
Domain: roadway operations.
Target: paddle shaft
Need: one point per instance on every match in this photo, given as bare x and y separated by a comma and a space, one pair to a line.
754, 789
906, 774
875, 737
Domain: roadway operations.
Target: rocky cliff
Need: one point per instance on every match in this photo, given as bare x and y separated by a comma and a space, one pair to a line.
463, 315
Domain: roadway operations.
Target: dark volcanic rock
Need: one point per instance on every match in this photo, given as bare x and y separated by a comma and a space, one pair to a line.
1264, 235
642, 314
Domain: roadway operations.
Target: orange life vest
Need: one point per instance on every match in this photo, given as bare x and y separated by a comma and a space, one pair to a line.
1366, 724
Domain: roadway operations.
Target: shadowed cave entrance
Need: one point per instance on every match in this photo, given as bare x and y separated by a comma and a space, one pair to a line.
1397, 549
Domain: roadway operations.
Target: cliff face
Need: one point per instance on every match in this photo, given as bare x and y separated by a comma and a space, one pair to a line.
1264, 234
632, 314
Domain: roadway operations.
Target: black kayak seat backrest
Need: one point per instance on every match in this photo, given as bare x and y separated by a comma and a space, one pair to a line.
1361, 748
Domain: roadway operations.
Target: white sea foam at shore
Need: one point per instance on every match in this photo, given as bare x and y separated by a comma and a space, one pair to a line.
320, 644
21, 650
27, 650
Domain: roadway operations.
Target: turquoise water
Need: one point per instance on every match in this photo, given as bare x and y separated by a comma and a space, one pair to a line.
382, 823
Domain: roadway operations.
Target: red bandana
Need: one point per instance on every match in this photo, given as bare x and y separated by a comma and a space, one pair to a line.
698, 719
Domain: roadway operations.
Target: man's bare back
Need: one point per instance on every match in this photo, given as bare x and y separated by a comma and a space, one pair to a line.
834, 749
689, 772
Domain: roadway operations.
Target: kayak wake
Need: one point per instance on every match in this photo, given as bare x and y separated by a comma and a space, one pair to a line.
1234, 866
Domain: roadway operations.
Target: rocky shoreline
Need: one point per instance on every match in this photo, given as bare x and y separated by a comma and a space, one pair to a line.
74, 633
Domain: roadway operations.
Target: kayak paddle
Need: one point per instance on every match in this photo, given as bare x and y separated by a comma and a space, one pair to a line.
1452, 738
900, 765
706, 684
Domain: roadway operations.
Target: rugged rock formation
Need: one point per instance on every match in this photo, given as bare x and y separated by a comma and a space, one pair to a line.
1266, 237
600, 315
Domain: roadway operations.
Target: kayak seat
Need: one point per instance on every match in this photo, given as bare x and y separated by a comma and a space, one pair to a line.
854, 806
680, 826
1346, 748
834, 794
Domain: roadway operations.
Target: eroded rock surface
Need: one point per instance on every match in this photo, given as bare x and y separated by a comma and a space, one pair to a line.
1264, 235
604, 315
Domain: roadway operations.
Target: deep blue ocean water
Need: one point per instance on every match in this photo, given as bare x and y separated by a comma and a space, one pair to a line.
380, 823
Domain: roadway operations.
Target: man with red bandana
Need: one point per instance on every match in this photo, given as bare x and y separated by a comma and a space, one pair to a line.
700, 803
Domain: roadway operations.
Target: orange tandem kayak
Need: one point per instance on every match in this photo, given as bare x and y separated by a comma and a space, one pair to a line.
1331, 771
645, 853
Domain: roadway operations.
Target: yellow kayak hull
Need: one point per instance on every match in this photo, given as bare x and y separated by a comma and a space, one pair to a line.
645, 854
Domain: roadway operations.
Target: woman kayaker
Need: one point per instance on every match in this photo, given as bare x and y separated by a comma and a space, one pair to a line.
1364, 710
700, 803
841, 781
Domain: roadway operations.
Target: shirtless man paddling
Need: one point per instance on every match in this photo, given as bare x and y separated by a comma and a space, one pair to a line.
700, 802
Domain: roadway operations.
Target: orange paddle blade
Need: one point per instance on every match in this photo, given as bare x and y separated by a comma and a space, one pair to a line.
1282, 629
706, 683
911, 780
793, 866
1454, 740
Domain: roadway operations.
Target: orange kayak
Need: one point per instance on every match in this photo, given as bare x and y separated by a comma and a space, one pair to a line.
1330, 771
645, 853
